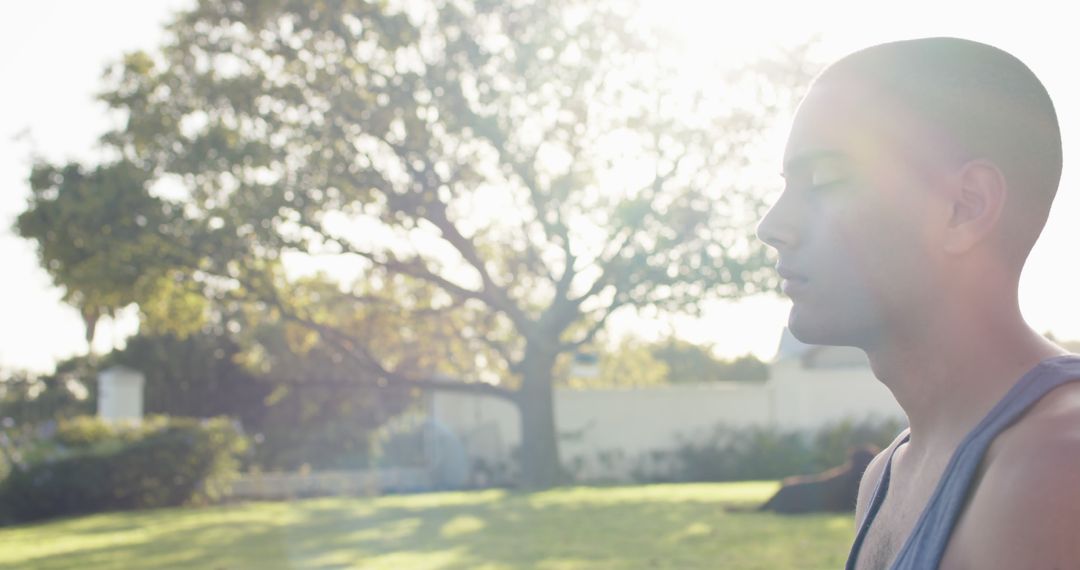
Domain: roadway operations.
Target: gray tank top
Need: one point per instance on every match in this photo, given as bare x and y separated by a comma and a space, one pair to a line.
925, 546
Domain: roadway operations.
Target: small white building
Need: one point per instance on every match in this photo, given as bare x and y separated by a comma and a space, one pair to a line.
809, 388
120, 394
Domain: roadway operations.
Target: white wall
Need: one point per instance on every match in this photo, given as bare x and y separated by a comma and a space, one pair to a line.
811, 398
606, 431
120, 394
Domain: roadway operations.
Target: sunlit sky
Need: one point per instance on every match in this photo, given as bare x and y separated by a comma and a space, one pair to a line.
52, 53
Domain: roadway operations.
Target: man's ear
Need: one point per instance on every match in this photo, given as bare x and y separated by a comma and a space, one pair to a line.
977, 205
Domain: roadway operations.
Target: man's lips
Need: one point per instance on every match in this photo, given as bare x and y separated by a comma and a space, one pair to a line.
793, 282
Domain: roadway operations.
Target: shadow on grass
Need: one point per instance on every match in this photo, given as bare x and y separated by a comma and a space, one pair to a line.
567, 528
167, 538
571, 529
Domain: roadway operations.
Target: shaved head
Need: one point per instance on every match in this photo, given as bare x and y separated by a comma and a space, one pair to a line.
973, 101
918, 175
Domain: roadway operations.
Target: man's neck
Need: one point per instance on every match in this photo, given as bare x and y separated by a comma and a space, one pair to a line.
950, 373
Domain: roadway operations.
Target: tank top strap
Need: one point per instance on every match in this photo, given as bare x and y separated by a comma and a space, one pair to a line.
925, 546
880, 490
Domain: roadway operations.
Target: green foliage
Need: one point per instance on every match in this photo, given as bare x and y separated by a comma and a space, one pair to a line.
323, 423
196, 375
504, 176
85, 432
746, 367
306, 407
832, 444
729, 454
400, 443
301, 405
28, 399
279, 127
322, 408
106, 240
636, 363
632, 364
164, 462
691, 363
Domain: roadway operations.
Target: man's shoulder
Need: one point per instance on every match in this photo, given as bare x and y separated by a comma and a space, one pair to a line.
1025, 508
1043, 447
1051, 426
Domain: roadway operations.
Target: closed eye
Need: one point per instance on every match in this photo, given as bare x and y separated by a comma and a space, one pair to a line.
829, 185
827, 174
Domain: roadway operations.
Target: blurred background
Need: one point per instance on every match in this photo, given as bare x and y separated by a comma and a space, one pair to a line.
452, 253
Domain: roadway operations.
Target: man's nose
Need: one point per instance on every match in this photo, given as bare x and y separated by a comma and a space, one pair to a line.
778, 228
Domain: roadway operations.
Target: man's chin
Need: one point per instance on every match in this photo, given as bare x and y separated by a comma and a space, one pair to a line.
824, 331
802, 333
811, 331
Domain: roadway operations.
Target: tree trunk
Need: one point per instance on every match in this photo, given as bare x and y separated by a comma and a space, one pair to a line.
540, 466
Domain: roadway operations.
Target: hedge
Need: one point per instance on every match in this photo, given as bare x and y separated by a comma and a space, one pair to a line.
93, 467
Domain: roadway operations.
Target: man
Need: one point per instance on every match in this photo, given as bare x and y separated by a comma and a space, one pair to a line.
918, 176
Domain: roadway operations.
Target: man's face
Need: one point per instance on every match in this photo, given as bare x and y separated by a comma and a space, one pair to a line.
855, 226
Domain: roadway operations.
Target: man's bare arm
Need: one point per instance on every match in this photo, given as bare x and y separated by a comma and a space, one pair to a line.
1026, 513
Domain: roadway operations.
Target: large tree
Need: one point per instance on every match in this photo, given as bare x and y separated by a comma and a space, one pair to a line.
503, 176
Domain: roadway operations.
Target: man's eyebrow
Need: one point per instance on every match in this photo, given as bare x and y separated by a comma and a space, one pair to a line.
804, 159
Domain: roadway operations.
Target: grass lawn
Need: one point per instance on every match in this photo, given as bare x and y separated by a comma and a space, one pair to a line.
656, 526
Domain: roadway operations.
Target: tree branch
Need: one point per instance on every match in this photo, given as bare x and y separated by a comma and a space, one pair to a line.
478, 388
493, 294
514, 365
362, 357
611, 263
595, 328
607, 273
414, 267
434, 211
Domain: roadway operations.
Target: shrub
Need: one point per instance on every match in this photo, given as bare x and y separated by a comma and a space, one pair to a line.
86, 431
400, 443
165, 462
832, 445
730, 454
